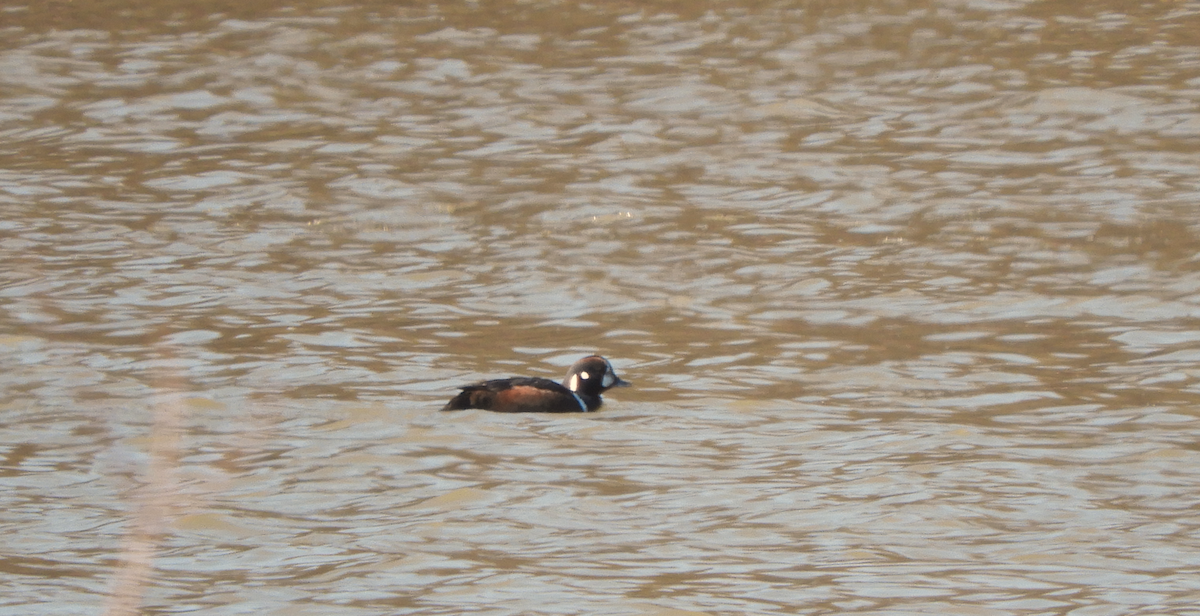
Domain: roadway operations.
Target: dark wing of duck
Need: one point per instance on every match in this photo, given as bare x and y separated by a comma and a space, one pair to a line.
517, 395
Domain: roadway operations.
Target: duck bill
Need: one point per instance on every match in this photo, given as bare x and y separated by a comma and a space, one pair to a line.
621, 383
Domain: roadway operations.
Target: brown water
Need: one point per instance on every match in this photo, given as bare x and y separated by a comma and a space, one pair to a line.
909, 293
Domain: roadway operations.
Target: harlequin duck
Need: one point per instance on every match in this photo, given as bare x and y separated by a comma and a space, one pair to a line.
579, 393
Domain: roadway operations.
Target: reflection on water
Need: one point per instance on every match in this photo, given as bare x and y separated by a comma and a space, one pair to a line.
909, 293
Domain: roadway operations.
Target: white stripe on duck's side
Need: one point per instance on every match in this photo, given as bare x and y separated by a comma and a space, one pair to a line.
582, 406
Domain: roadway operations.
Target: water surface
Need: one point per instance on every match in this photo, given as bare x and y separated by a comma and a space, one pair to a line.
908, 291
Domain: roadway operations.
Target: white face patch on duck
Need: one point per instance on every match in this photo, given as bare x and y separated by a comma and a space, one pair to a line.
609, 379
573, 382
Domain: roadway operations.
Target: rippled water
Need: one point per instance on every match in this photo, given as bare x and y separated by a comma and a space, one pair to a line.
908, 291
